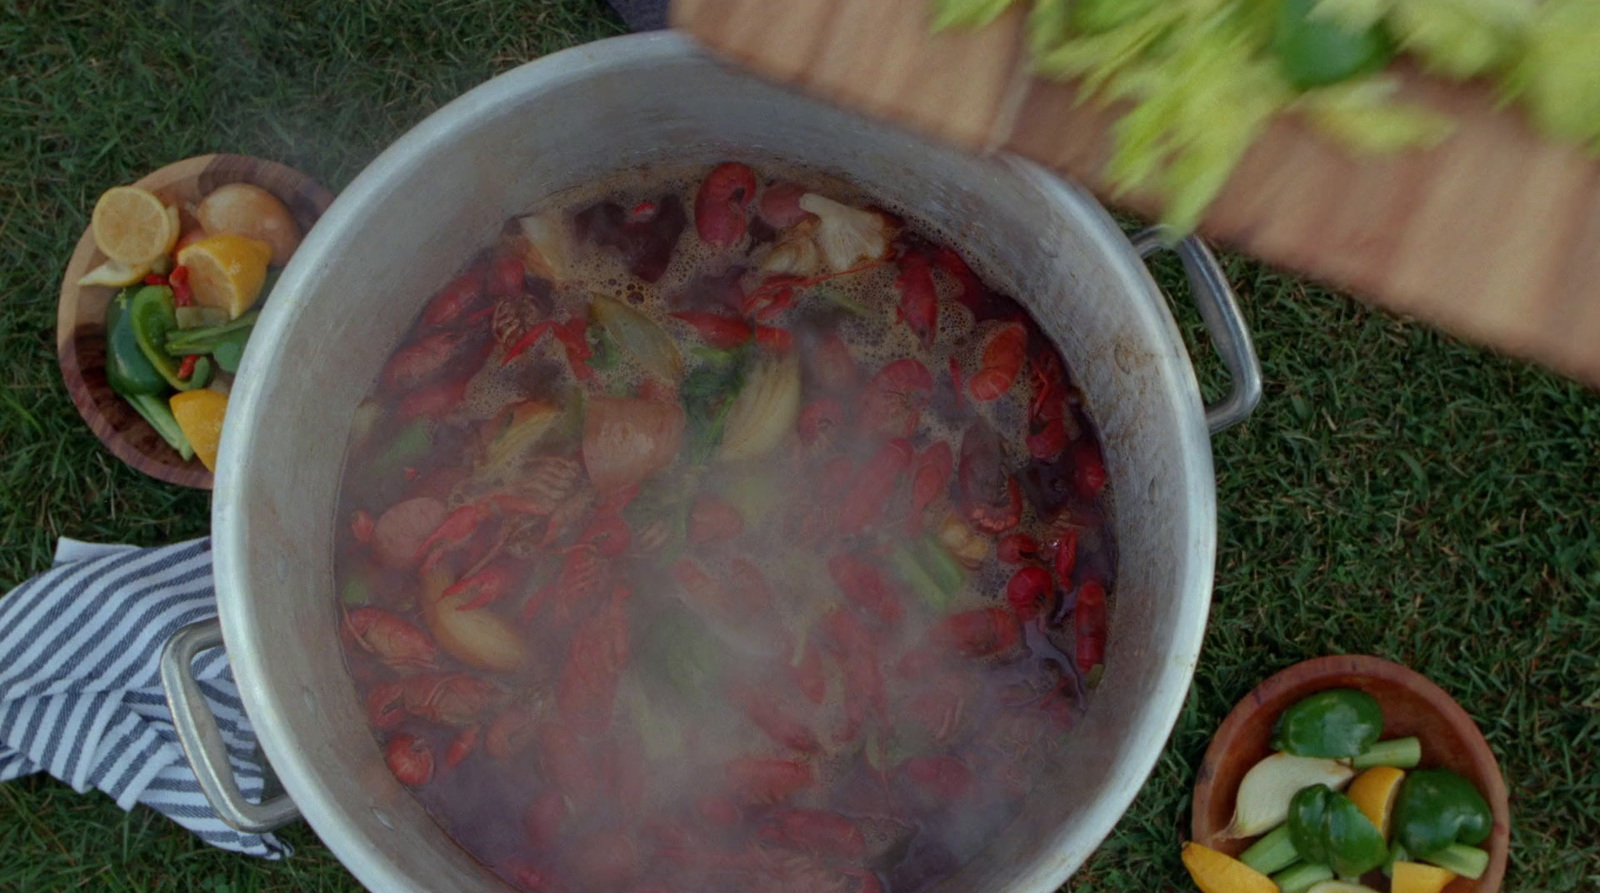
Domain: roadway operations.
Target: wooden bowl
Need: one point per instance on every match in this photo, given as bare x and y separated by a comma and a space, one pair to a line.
1411, 706
80, 318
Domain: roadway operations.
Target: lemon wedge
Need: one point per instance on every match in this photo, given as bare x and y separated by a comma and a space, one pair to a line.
132, 226
115, 273
226, 271
1374, 792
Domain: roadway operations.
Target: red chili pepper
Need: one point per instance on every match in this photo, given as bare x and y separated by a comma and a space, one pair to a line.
186, 368
718, 330
537, 331
155, 279
182, 296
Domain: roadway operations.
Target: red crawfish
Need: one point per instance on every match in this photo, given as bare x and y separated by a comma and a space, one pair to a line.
981, 632
1066, 555
772, 718
919, 299
805, 671
510, 732
876, 480
362, 526
604, 860
434, 401
543, 818
767, 781
484, 587
744, 599
1050, 425
866, 587
461, 297
891, 404
1089, 625
570, 763
857, 654
1016, 548
1088, 467
936, 780
1002, 360
399, 643
990, 497
596, 655
505, 275
780, 205
819, 423
970, 292
1029, 591
452, 699
721, 203
459, 350
582, 578
463, 745
544, 489
832, 365
817, 831
410, 759
573, 336
714, 520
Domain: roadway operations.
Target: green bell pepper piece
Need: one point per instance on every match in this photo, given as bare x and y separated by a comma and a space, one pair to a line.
1328, 828
1306, 812
1335, 724
230, 350
1437, 808
1314, 51
153, 319
128, 371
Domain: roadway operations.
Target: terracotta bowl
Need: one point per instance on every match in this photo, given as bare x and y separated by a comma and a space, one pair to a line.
80, 318
1411, 706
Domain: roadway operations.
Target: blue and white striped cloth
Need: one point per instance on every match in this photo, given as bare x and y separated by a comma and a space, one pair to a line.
80, 684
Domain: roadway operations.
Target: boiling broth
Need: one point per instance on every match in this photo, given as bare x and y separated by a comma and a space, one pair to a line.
723, 532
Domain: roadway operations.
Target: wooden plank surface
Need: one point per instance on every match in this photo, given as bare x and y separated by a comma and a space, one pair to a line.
1494, 235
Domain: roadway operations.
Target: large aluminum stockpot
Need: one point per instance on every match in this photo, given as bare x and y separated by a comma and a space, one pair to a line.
442, 191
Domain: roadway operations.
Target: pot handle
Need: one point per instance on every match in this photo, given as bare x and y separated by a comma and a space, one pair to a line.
202, 740
1219, 309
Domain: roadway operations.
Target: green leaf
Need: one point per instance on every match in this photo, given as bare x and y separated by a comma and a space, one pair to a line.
708, 393
1463, 38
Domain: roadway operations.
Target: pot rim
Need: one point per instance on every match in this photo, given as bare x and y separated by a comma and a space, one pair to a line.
249, 656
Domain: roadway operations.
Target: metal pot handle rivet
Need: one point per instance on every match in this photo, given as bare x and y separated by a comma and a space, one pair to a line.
1219, 309
202, 740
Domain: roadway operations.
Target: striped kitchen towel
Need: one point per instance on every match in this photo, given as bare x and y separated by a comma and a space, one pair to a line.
80, 684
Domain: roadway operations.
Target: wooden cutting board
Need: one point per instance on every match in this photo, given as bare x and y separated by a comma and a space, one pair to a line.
1494, 235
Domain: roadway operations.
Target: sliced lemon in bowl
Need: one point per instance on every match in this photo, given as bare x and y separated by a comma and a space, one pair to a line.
132, 225
226, 271
1374, 792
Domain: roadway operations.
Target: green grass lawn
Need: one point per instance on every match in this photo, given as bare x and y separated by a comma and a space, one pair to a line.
1398, 493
